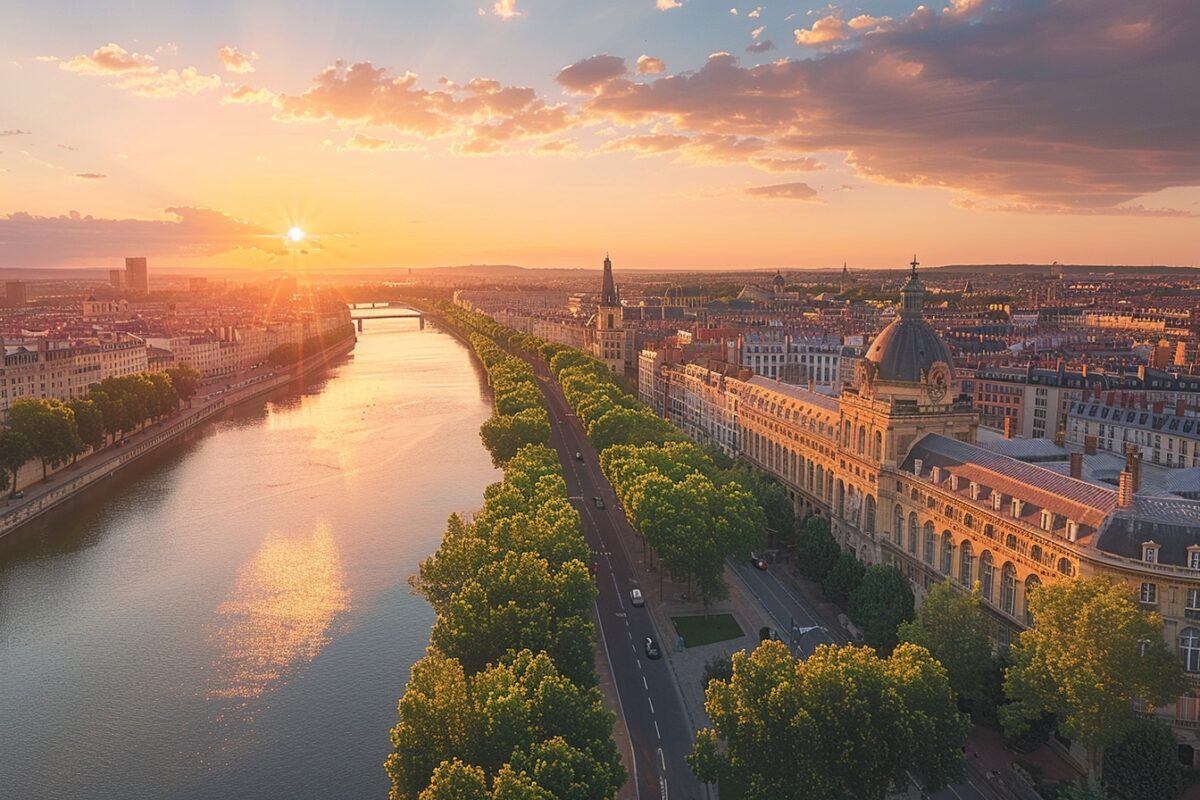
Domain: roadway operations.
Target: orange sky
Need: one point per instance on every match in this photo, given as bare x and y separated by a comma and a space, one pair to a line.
427, 136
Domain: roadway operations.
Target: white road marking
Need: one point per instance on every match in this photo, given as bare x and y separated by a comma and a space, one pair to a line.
645, 685
651, 702
656, 730
639, 663
662, 759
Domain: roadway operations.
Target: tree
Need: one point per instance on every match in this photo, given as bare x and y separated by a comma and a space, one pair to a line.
185, 381
454, 780
89, 421
49, 427
845, 722
629, 426
1144, 765
15, 450
1090, 653
880, 603
950, 625
504, 435
717, 668
843, 579
816, 549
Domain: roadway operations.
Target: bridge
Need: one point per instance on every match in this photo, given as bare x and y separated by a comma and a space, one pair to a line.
417, 315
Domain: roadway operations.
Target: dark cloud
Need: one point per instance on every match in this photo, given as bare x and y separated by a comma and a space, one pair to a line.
14, 132
91, 176
761, 46
784, 191
1070, 104
28, 240
592, 73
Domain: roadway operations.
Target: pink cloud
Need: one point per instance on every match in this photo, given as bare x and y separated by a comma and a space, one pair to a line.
825, 31
236, 61
109, 59
784, 191
591, 73
649, 65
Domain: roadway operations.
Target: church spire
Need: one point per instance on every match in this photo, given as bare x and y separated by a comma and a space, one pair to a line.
913, 294
608, 291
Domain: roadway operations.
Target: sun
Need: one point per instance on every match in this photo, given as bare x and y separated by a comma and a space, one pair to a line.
295, 234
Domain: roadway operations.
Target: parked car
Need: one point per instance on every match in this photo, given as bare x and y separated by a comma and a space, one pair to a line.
651, 648
636, 599
578, 456
758, 561
18, 495
599, 501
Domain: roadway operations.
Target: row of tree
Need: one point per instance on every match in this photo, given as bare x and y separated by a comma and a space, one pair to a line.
287, 354
520, 416
56, 432
505, 706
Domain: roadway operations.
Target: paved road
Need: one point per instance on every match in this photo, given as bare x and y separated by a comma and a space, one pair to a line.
650, 701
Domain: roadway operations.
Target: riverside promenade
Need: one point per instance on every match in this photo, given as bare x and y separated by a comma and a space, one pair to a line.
70, 480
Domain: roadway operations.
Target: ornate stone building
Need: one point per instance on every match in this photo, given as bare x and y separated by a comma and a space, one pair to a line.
611, 342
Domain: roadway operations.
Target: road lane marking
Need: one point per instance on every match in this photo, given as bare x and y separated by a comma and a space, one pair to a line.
662, 759
651, 702
657, 732
645, 685
639, 663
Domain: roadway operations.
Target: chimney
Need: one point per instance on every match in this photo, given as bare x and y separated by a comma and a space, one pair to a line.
1077, 466
1008, 427
811, 384
1159, 407
1089, 445
1180, 407
1125, 490
1072, 530
1060, 437
1133, 464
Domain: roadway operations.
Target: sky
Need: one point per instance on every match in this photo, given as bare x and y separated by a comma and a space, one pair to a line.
671, 133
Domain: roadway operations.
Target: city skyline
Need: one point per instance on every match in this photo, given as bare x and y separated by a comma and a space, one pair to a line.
680, 135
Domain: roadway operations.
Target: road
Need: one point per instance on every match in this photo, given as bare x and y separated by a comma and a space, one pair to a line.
650, 701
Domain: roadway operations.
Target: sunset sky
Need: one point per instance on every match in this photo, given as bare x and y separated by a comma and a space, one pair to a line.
544, 132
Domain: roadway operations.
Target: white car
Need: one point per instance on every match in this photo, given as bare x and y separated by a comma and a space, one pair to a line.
636, 599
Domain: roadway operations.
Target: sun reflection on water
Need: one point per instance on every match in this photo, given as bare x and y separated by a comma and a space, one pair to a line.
278, 616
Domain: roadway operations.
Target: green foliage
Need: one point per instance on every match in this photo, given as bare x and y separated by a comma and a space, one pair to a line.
880, 603
843, 579
1144, 765
15, 450
950, 625
185, 381
503, 436
49, 427
844, 723
767, 491
717, 668
1083, 790
816, 549
89, 422
520, 722
1091, 652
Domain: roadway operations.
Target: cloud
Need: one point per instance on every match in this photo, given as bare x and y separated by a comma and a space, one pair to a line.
248, 96
761, 46
109, 59
996, 102
14, 132
591, 73
1136, 210
803, 164
91, 176
667, 5
825, 31
138, 74
28, 240
867, 21
236, 61
757, 32
756, 13
483, 112
649, 65
704, 149
67, 147
362, 142
506, 9
784, 191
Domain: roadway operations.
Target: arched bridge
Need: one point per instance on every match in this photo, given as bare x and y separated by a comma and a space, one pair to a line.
417, 315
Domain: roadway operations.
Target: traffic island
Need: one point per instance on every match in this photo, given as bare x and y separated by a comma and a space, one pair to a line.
707, 629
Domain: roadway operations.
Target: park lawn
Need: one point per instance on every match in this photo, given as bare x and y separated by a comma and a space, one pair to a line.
702, 630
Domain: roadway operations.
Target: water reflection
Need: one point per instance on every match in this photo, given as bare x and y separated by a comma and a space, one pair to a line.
279, 615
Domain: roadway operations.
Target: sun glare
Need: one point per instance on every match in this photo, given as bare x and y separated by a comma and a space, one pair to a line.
295, 234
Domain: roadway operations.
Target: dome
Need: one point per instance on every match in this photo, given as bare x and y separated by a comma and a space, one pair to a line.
906, 349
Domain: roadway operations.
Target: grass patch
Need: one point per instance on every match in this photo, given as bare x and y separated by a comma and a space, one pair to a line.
701, 630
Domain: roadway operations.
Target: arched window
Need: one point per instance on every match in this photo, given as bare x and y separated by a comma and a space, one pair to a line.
948, 511
915, 495
820, 482
862, 441
869, 515
912, 533
966, 564
929, 536
1064, 566
898, 526
1035, 553
947, 553
987, 576
1189, 649
1010, 541
969, 522
878, 446
846, 434
1008, 588
841, 499
989, 531
1031, 583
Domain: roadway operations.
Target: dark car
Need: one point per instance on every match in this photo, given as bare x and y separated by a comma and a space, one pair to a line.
599, 501
758, 561
651, 648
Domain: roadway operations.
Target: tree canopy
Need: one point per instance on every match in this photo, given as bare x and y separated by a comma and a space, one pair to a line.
950, 625
881, 602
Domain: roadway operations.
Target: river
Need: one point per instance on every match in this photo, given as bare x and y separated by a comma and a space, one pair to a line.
230, 618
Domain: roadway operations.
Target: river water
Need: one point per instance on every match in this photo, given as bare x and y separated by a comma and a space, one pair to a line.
231, 618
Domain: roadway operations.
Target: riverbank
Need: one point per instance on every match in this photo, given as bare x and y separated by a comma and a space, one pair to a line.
65, 483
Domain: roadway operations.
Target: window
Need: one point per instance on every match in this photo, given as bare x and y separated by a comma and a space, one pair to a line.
1149, 594
966, 563
912, 533
1008, 589
1064, 566
1192, 609
986, 576
929, 543
1189, 649
947, 552
1150, 552
1194, 559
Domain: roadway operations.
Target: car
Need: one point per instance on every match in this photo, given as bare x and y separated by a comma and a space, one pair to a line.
636, 599
578, 456
758, 561
18, 495
599, 501
651, 648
